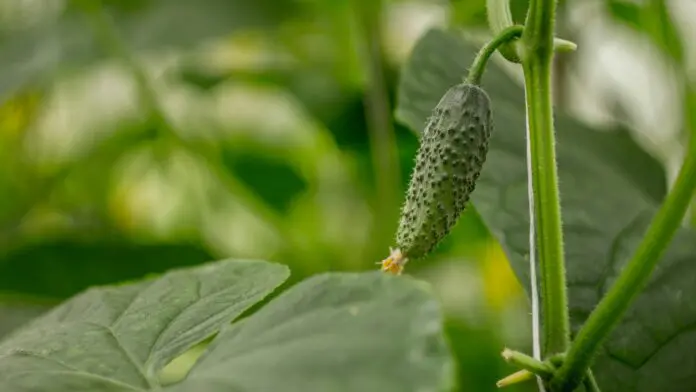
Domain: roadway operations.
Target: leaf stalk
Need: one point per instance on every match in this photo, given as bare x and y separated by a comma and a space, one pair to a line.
528, 363
498, 43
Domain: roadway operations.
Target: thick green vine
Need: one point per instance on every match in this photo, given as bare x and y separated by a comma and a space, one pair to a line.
500, 18
537, 44
536, 49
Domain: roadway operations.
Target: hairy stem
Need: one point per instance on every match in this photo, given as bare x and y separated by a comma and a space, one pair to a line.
537, 42
637, 272
479, 65
500, 18
528, 363
534, 287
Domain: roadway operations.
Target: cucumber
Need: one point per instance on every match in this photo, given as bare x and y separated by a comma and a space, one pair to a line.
449, 161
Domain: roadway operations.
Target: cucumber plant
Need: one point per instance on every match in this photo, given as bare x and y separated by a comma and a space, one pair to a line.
562, 357
320, 334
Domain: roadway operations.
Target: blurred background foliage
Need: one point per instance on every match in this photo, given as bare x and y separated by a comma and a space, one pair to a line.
142, 135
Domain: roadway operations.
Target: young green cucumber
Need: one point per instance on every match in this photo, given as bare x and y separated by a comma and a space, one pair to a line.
450, 157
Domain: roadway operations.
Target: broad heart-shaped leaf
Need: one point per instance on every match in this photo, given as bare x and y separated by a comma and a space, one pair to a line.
347, 332
35, 54
117, 338
610, 189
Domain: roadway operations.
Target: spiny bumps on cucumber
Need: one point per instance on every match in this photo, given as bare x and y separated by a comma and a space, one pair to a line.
449, 161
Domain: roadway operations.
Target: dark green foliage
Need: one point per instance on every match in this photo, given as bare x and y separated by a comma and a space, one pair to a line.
61, 268
448, 163
272, 180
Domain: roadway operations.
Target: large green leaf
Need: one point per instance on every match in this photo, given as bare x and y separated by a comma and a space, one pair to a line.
610, 189
34, 54
333, 332
14, 316
117, 338
61, 268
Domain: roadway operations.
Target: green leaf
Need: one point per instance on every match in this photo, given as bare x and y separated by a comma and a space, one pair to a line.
36, 53
610, 189
14, 316
333, 332
61, 268
117, 338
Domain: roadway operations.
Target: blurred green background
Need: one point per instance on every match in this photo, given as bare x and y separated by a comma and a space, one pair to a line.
142, 135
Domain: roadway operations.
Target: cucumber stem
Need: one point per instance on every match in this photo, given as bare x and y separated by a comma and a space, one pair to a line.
500, 18
538, 44
479, 65
528, 363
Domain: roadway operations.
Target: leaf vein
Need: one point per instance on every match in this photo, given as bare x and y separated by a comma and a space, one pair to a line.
82, 374
125, 351
69, 368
